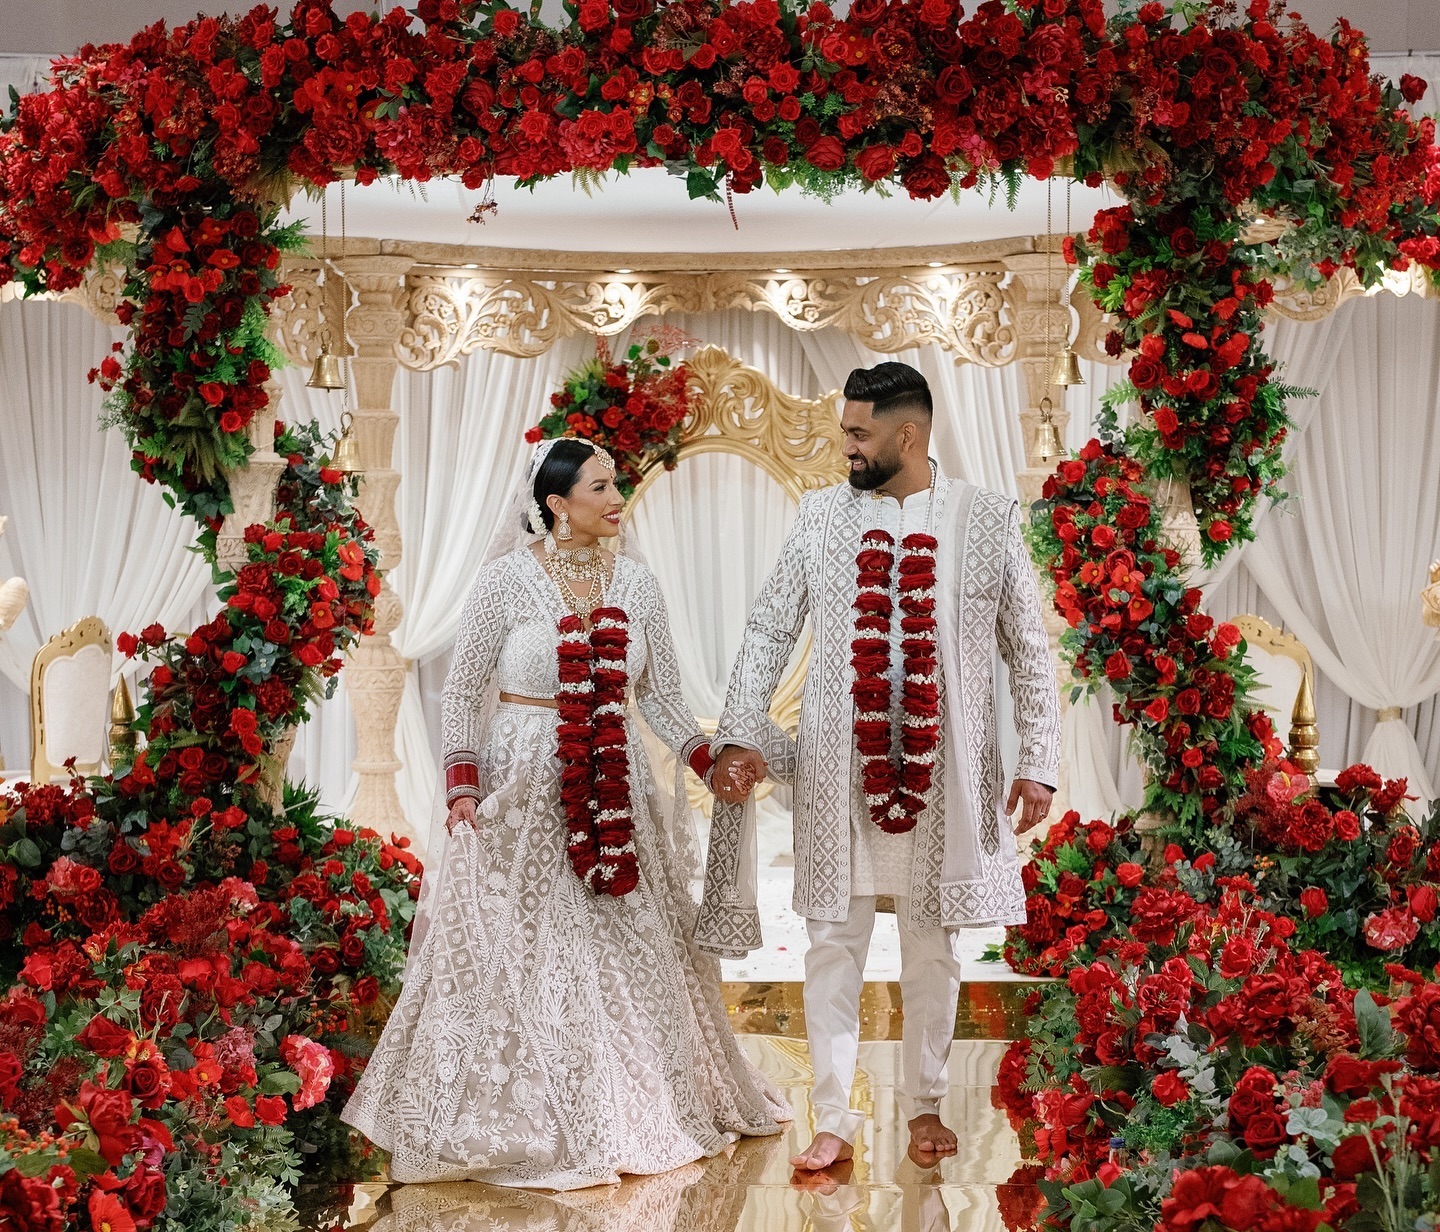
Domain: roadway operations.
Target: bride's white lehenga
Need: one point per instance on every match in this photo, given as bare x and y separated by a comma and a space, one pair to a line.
547, 1037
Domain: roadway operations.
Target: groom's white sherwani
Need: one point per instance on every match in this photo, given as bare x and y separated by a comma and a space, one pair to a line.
959, 866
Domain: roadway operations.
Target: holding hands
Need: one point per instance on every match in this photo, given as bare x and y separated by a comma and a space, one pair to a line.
736, 772
463, 810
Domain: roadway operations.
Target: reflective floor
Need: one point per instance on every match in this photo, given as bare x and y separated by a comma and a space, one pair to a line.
752, 1188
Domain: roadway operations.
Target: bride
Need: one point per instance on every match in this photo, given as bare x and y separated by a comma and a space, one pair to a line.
557, 1028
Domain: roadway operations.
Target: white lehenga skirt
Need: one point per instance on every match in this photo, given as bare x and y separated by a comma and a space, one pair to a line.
546, 1037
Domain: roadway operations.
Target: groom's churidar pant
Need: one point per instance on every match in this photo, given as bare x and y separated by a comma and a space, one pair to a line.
834, 977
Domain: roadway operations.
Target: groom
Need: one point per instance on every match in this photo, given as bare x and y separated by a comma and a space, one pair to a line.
911, 581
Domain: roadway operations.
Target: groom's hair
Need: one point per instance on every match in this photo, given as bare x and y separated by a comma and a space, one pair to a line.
891, 386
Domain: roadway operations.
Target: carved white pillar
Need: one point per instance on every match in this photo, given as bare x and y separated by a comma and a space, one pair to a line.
1034, 297
375, 672
252, 487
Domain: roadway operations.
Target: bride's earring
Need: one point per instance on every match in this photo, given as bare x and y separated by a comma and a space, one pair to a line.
564, 531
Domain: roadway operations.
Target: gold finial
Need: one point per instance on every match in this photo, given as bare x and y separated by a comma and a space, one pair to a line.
122, 726
1304, 734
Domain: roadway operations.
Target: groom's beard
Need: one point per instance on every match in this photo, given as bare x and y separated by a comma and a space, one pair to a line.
874, 473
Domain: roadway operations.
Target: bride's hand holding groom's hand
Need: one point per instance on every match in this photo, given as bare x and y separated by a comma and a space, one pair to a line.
736, 772
462, 810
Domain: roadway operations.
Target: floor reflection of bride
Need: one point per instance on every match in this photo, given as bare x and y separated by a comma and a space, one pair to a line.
700, 1197
557, 1029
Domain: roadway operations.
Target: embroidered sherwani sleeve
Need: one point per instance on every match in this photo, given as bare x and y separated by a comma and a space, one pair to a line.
1025, 648
477, 650
771, 633
659, 694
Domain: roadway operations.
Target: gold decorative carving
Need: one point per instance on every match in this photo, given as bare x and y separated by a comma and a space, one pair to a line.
1300, 303
1261, 635
312, 308
453, 313
738, 409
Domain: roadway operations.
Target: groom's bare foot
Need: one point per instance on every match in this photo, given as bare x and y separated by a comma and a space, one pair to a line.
824, 1181
931, 1140
827, 1149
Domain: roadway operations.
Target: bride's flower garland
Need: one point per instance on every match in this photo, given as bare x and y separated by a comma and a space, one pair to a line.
896, 794
595, 760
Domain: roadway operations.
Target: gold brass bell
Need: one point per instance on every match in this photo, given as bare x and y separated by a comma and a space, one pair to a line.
1067, 368
347, 448
326, 372
1047, 438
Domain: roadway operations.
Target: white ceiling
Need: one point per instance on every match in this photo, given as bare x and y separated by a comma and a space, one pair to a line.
648, 211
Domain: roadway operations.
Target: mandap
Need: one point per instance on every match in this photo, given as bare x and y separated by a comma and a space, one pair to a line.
1224, 1046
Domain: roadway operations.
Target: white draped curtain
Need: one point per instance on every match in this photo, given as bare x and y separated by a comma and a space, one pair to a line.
87, 535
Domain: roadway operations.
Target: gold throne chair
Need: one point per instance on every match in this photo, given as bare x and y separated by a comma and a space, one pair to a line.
70, 701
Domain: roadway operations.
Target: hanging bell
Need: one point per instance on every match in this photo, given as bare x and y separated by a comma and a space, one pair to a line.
326, 372
1047, 437
347, 448
1067, 368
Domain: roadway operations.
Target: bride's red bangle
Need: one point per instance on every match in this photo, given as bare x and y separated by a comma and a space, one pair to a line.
462, 774
701, 762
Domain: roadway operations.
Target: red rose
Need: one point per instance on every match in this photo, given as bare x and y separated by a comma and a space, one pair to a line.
1418, 1016
826, 154
1169, 1089
1423, 902
240, 1113
1347, 825
104, 1038
30, 1203
1129, 875
953, 85
875, 162
148, 1081
271, 1109
1412, 88
1264, 1134
1314, 901
776, 151
1237, 957
1117, 666
1352, 1157
1347, 1075
1402, 846
1145, 373
1215, 1193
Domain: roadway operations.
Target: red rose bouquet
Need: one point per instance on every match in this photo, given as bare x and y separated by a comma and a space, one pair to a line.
632, 409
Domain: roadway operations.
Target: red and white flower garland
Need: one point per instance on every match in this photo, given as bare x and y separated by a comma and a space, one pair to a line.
896, 793
593, 752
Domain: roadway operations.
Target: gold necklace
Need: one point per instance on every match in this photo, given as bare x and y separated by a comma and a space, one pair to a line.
573, 565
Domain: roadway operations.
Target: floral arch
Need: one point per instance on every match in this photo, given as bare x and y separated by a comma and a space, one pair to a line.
172, 157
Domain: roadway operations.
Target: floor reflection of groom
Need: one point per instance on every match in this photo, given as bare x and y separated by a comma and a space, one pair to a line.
897, 569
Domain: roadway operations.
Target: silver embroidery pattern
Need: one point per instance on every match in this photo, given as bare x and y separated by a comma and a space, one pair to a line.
998, 606
546, 1037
